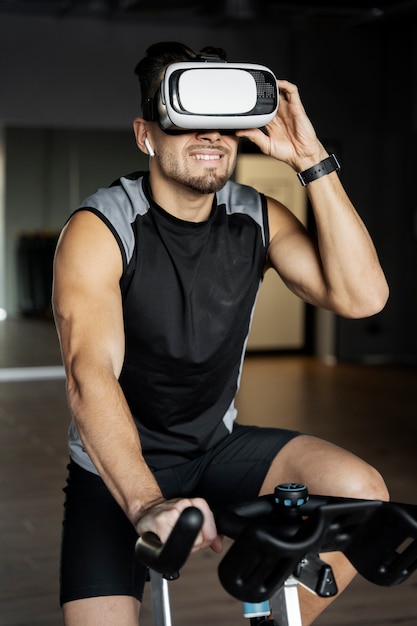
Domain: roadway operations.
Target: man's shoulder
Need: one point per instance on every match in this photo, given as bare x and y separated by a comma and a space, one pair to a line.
239, 198
133, 177
125, 195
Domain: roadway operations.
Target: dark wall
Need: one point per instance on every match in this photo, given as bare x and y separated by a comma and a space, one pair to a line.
360, 88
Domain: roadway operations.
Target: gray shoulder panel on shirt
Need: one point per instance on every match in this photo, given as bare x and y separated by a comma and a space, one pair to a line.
240, 198
120, 205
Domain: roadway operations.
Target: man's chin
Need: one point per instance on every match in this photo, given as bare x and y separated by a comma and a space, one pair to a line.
208, 184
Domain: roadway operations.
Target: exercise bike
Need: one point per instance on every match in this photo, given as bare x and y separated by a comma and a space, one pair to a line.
276, 544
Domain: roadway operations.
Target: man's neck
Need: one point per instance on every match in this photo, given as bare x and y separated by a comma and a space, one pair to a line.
181, 202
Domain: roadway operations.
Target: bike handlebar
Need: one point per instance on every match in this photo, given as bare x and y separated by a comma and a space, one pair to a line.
169, 557
273, 542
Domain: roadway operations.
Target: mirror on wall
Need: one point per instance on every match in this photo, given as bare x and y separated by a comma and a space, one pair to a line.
44, 175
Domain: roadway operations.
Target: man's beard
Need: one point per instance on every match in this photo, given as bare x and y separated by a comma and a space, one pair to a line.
208, 182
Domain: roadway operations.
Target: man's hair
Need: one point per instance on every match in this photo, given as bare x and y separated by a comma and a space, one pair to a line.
158, 56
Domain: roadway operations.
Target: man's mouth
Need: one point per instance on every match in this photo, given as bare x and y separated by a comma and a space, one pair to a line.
206, 157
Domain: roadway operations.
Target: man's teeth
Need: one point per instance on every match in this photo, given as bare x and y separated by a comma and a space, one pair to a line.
206, 157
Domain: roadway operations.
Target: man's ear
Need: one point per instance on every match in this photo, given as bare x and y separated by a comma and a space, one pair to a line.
140, 128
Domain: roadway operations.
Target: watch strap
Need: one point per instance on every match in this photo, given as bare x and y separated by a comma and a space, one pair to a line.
331, 164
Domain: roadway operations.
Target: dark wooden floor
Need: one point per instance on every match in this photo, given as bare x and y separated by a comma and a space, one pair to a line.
372, 410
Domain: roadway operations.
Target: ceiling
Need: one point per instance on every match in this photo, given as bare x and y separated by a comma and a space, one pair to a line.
316, 13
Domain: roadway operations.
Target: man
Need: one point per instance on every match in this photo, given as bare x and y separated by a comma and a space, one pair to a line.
154, 285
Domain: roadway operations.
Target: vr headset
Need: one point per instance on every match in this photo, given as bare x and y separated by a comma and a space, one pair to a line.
216, 95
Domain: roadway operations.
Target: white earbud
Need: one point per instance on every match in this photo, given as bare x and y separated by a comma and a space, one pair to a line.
149, 147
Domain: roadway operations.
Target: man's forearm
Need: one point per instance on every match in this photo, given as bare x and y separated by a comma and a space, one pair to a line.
111, 440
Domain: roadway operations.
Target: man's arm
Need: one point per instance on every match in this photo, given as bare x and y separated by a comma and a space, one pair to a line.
89, 318
340, 271
88, 315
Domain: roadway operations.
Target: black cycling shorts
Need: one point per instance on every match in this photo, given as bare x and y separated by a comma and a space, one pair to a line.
97, 553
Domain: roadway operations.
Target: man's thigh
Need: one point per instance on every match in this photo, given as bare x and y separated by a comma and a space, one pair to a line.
98, 541
326, 469
232, 471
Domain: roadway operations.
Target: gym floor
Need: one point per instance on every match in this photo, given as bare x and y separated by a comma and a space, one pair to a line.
370, 410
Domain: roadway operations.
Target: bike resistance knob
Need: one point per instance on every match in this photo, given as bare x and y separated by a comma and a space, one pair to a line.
291, 495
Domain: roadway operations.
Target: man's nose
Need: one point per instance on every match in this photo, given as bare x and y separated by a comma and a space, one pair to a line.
209, 134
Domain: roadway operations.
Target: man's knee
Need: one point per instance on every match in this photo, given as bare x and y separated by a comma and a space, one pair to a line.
366, 482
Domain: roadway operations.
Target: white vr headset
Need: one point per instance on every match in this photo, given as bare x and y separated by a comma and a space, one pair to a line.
214, 95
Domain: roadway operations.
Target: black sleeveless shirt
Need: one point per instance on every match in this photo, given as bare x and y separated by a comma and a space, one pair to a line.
188, 292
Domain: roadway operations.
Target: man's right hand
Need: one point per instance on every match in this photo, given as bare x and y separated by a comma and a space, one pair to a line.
160, 518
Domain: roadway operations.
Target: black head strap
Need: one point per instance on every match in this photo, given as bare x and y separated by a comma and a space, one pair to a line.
150, 113
209, 53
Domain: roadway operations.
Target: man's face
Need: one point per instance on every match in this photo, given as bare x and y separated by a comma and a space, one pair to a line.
202, 161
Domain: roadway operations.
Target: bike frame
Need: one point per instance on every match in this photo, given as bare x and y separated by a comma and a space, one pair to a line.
285, 605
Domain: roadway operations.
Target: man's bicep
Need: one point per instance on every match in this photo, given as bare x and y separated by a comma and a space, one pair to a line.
86, 293
294, 255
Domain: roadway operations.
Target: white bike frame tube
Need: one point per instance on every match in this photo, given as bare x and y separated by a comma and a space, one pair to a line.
161, 607
286, 604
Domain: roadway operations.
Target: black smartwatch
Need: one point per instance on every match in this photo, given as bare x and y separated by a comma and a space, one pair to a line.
331, 164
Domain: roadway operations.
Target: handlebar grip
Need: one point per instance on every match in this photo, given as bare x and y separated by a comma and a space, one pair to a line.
168, 558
